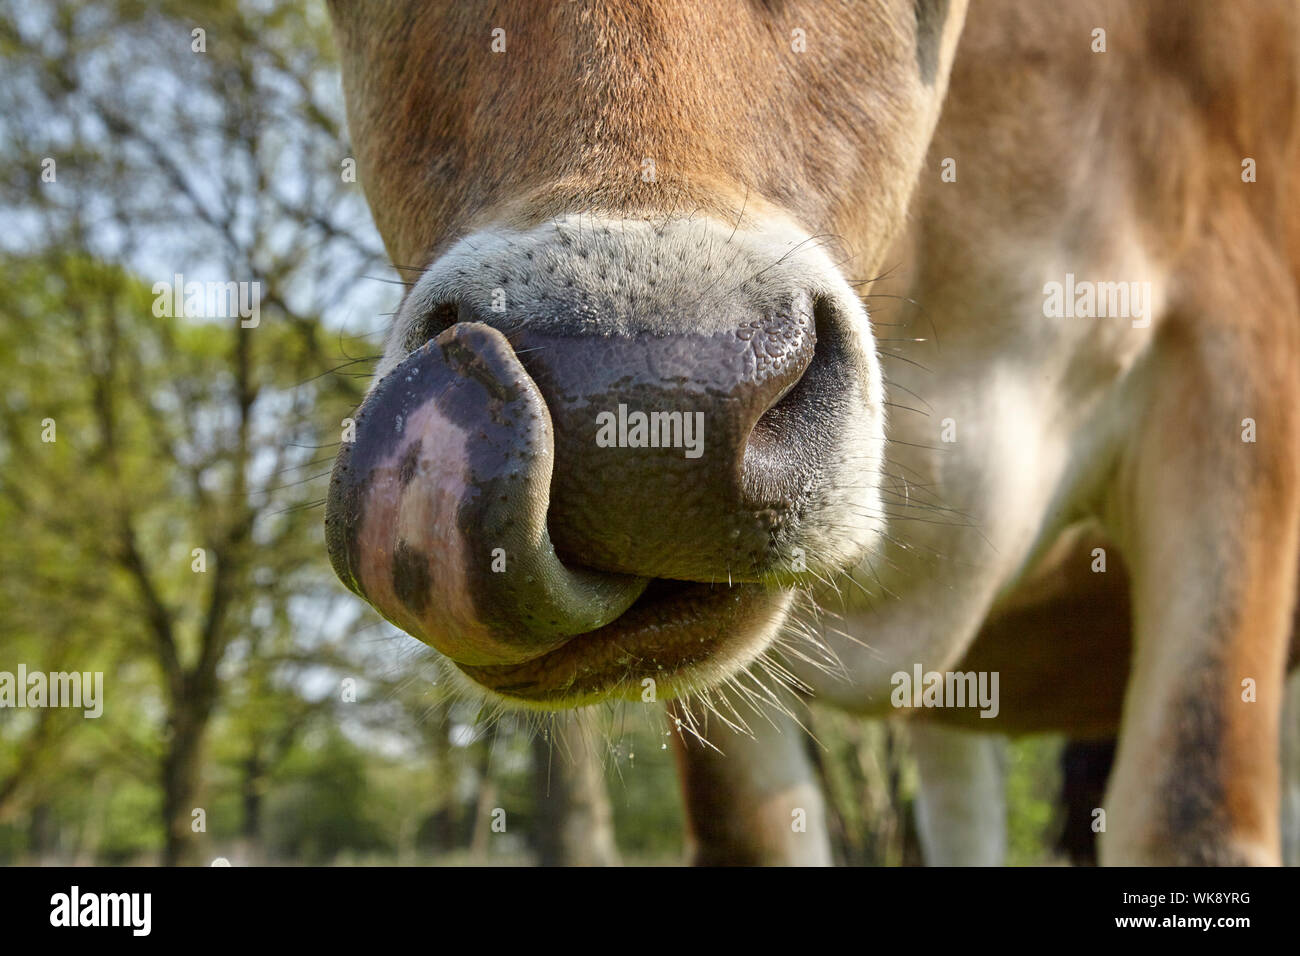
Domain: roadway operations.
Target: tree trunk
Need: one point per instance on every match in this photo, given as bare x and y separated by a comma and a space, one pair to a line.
250, 827
40, 834
180, 773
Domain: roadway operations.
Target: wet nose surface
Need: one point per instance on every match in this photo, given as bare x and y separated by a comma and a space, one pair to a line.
669, 462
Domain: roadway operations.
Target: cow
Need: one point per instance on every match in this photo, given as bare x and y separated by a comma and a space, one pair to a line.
797, 347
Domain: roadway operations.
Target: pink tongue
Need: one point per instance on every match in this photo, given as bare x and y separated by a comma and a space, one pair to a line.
437, 513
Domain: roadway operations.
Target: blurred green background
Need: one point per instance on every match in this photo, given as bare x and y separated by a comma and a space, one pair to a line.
170, 535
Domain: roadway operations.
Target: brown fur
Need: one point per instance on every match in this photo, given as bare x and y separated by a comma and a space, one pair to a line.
587, 91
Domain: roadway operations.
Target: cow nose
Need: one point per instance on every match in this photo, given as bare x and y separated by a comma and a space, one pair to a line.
570, 420
678, 454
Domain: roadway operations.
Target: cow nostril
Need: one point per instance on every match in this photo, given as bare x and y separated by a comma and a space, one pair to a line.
434, 322
783, 456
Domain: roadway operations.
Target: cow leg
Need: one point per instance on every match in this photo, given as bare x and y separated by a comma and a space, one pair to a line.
757, 803
961, 811
1208, 525
1291, 773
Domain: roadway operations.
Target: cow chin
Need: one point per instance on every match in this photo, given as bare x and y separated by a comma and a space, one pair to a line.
600, 462
675, 639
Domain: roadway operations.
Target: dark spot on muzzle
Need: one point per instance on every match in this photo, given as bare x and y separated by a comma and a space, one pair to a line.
411, 581
409, 462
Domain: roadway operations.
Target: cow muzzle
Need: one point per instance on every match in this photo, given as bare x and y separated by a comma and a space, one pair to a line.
590, 461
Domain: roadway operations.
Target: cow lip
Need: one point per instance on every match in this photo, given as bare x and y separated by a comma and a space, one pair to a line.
677, 635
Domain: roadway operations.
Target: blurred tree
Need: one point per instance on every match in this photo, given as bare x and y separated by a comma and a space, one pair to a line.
183, 559
216, 154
